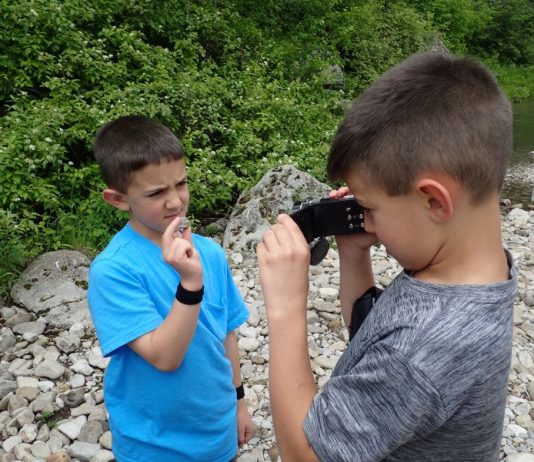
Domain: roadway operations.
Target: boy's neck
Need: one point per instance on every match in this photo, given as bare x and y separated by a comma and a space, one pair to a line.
153, 236
471, 251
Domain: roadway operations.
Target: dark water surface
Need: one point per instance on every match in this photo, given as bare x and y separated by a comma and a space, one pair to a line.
520, 181
523, 132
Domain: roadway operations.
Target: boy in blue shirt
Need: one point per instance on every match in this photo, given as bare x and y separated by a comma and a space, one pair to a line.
424, 150
165, 308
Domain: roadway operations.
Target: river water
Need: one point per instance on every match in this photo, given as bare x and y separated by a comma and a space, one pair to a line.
520, 180
523, 132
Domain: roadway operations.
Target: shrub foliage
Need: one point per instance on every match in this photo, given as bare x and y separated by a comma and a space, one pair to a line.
242, 83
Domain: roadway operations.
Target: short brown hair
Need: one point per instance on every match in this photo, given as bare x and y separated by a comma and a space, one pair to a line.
432, 112
125, 145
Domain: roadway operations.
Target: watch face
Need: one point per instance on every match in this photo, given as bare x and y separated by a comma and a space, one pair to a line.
318, 249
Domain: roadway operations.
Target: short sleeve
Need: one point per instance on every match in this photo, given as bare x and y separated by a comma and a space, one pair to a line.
237, 310
381, 404
121, 308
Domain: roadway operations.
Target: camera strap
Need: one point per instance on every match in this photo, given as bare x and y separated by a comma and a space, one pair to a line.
361, 308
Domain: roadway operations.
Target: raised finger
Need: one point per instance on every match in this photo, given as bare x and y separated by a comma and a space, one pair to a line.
269, 240
283, 235
340, 192
168, 234
292, 228
187, 234
178, 249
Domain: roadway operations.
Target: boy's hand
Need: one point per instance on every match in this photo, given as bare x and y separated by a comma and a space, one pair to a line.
283, 259
339, 193
245, 428
179, 252
352, 244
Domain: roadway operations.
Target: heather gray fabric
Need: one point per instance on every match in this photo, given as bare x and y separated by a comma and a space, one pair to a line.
424, 379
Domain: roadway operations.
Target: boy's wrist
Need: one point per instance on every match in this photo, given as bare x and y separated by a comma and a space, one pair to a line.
189, 297
192, 284
355, 254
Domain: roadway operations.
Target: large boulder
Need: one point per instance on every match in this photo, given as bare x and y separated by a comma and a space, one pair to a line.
333, 78
55, 286
257, 209
436, 45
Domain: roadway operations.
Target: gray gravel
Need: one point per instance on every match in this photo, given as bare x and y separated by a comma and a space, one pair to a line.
51, 400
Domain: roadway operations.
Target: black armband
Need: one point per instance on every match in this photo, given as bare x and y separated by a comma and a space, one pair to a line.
361, 308
189, 297
240, 392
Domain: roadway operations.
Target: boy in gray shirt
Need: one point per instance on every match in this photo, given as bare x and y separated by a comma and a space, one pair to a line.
424, 151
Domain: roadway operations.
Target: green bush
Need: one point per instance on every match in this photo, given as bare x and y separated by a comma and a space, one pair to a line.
517, 82
374, 35
240, 82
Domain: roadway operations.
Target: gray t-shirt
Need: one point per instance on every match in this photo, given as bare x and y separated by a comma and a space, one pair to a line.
424, 378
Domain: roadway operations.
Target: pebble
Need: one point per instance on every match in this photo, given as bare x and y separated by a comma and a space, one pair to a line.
51, 400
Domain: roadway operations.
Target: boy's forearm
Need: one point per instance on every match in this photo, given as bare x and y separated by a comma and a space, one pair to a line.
166, 346
291, 385
245, 427
232, 353
356, 276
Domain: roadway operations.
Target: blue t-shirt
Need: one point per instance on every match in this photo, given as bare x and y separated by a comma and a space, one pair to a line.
185, 415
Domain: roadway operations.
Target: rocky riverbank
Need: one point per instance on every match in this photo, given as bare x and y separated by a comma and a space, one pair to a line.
51, 400
519, 184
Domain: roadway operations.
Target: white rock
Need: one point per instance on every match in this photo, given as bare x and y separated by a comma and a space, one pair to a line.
82, 367
77, 329
103, 456
72, 427
30, 336
28, 433
249, 344
326, 363
518, 431
27, 382
9, 444
57, 440
312, 316
525, 359
49, 369
329, 293
77, 381
520, 457
23, 452
105, 440
518, 216
40, 449
248, 331
46, 385
96, 359
83, 451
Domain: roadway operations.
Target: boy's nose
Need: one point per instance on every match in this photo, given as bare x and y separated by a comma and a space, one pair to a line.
173, 200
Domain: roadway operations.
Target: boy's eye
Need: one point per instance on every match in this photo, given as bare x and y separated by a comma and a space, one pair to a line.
154, 194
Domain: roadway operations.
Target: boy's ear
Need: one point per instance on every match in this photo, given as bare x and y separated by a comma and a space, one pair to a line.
115, 198
437, 197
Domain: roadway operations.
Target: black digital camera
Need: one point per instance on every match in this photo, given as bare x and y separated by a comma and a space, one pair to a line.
320, 218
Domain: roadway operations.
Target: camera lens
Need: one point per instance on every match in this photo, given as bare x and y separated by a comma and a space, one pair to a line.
318, 249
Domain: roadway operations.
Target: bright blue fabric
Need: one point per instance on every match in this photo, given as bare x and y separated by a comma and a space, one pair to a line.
185, 415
